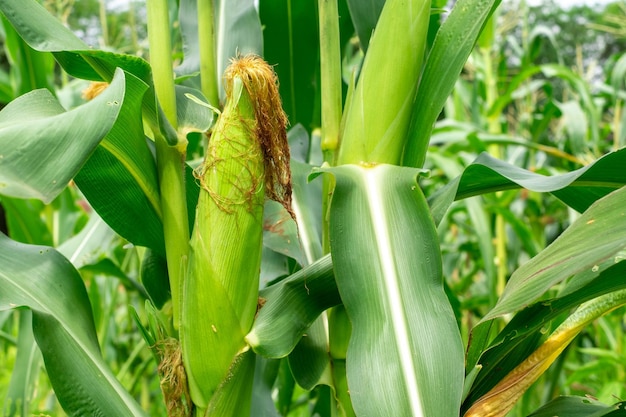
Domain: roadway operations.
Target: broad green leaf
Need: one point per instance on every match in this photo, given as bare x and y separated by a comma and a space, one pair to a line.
154, 278
502, 398
571, 406
235, 393
192, 187
522, 334
6, 88
291, 40
41, 279
43, 146
387, 264
535, 44
50, 32
106, 267
307, 196
290, 307
193, 112
42, 32
364, 15
571, 253
120, 178
578, 189
286, 386
452, 46
309, 360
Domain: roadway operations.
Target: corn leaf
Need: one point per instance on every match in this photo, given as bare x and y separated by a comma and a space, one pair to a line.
291, 306
569, 254
90, 244
264, 378
292, 41
120, 176
364, 16
24, 222
387, 264
41, 279
43, 146
523, 333
578, 189
573, 406
452, 46
42, 32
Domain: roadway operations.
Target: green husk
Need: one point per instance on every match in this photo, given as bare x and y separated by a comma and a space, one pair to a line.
247, 159
378, 116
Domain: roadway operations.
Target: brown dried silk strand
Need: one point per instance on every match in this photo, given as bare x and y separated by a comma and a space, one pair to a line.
261, 83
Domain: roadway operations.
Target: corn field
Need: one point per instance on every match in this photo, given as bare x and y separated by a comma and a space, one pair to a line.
326, 208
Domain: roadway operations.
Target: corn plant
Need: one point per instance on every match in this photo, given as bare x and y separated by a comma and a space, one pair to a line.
296, 272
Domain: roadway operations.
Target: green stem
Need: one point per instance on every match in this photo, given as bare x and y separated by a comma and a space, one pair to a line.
330, 61
208, 60
103, 23
170, 160
500, 226
160, 42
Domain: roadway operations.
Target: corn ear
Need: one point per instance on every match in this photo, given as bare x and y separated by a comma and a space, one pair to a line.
247, 159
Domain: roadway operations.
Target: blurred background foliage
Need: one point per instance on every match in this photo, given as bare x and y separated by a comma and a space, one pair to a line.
544, 90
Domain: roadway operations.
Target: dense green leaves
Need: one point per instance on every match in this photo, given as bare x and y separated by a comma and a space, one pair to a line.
523, 333
571, 253
395, 347
24, 377
63, 327
49, 34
